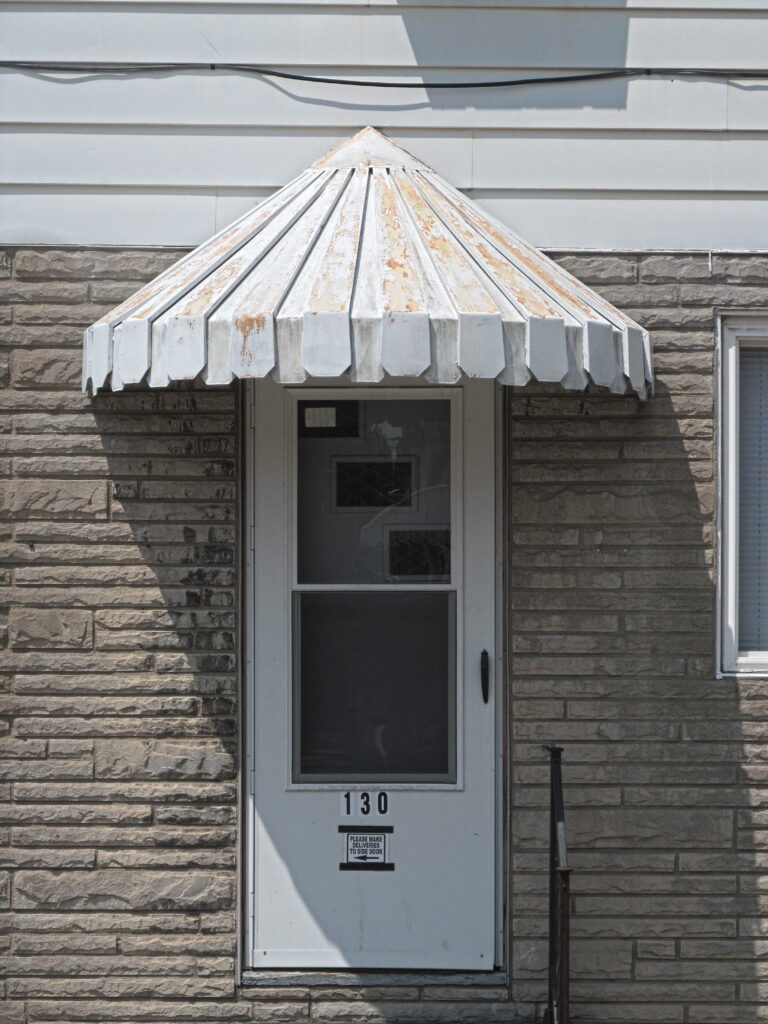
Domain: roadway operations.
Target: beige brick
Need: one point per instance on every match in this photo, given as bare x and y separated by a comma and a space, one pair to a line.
113, 292
723, 295
672, 268
739, 269
69, 748
54, 860
92, 706
10, 747
69, 264
38, 292
625, 827
78, 814
63, 944
193, 945
585, 992
43, 368
654, 926
283, 1011
456, 992
50, 628
674, 316
31, 335
209, 859
661, 949
699, 970
128, 683
163, 759
88, 792
218, 923
79, 965
639, 295
78, 315
364, 993
13, 1012
43, 499
52, 770
147, 987
162, 1010
122, 890
469, 1011
64, 923
114, 727
589, 958
598, 270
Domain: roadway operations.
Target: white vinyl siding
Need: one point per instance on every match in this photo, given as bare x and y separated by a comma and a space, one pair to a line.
744, 479
170, 159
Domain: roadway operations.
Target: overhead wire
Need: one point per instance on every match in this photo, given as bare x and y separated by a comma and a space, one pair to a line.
62, 67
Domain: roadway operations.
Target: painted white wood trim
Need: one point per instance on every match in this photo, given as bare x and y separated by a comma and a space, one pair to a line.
737, 332
261, 450
503, 819
247, 910
455, 395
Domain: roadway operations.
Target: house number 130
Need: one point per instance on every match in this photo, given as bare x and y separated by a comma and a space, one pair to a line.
364, 803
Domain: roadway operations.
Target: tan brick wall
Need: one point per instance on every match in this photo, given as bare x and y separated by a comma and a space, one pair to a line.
118, 738
119, 569
612, 627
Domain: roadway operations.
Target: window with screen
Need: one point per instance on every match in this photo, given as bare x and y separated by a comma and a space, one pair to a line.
374, 603
744, 497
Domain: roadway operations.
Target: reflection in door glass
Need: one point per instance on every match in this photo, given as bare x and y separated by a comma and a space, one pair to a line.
374, 492
374, 686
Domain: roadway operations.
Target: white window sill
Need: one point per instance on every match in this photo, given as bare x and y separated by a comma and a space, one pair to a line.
753, 670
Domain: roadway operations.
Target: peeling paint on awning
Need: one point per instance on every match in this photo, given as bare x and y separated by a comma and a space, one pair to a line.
369, 265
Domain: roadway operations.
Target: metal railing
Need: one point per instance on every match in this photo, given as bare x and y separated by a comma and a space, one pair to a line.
558, 1009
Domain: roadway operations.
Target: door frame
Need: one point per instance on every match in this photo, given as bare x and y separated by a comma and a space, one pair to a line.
246, 903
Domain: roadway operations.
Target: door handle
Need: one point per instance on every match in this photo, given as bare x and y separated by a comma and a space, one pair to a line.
485, 678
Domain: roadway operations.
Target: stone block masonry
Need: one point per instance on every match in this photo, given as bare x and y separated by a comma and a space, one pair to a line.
119, 709
119, 759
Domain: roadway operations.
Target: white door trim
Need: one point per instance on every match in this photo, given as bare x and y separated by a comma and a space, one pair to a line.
260, 449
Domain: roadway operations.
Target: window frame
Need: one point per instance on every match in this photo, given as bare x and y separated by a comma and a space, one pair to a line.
454, 396
736, 334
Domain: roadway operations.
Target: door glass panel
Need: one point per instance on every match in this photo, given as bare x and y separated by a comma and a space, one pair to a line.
374, 686
374, 666
373, 492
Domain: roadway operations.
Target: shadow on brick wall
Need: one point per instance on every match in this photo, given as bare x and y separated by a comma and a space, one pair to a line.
612, 634
165, 617
170, 458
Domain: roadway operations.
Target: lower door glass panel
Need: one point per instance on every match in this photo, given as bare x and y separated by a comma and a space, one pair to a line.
374, 686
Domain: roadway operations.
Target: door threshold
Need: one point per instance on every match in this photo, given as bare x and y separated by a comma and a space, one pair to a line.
354, 979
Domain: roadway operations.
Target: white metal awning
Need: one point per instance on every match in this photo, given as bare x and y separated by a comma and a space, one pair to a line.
368, 264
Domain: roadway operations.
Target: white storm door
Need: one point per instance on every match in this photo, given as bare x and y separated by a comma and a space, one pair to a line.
372, 728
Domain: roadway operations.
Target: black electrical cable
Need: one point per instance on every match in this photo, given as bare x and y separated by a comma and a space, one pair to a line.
252, 69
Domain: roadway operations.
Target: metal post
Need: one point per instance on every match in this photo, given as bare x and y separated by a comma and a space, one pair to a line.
558, 1007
